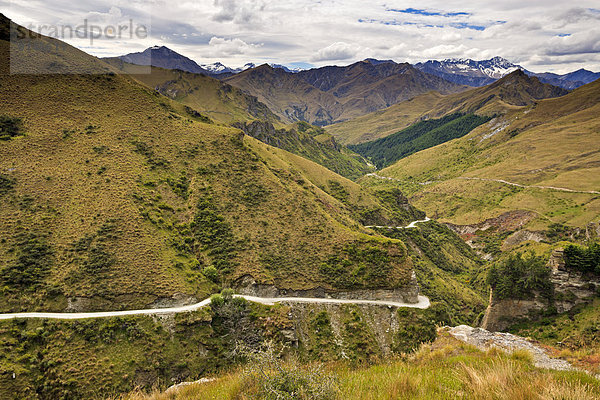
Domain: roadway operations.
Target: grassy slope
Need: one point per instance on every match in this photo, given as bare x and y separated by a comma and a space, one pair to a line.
226, 104
220, 101
552, 143
574, 335
83, 164
312, 143
420, 136
507, 94
445, 370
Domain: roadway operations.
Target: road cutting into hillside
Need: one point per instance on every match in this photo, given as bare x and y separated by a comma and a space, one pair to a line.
473, 178
422, 303
561, 189
409, 226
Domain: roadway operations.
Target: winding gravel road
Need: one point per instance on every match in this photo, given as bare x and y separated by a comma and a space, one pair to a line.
422, 303
411, 225
561, 189
474, 178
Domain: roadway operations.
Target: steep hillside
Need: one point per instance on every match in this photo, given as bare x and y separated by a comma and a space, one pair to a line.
220, 101
312, 143
509, 93
288, 96
420, 136
230, 105
542, 158
368, 86
104, 208
329, 94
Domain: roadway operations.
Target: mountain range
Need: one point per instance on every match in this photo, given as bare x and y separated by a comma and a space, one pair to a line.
462, 71
514, 90
325, 95
480, 73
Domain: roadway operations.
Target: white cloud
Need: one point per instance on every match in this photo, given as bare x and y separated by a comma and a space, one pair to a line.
336, 52
227, 47
238, 11
581, 43
540, 36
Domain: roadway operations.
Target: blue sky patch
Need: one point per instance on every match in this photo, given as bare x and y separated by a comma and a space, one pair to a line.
428, 13
464, 25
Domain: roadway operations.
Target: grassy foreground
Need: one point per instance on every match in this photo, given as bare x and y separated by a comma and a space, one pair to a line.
446, 369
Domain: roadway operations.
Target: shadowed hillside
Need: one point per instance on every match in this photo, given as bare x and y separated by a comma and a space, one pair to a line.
325, 95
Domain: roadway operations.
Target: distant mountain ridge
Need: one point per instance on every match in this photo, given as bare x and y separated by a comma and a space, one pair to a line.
163, 57
466, 71
329, 94
461, 71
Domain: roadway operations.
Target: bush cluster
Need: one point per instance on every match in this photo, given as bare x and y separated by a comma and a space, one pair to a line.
520, 277
584, 259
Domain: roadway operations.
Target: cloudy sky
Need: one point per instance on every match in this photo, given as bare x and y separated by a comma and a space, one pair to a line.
547, 35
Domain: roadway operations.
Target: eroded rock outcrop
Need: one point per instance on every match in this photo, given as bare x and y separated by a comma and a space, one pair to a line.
484, 340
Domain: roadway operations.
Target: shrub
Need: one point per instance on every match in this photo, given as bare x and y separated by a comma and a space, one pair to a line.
416, 327
32, 264
6, 183
211, 273
10, 127
269, 377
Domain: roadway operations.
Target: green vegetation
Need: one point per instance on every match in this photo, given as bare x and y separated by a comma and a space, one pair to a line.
448, 272
268, 376
33, 259
92, 252
416, 327
10, 127
422, 135
97, 358
520, 277
366, 264
6, 184
446, 369
312, 143
584, 259
213, 234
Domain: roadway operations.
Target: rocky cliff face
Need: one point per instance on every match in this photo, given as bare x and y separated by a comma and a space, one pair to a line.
408, 294
570, 288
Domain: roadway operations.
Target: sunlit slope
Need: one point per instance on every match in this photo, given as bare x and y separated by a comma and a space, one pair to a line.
114, 198
512, 92
552, 143
218, 100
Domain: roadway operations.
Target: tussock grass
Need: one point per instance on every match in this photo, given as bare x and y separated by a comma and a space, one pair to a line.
446, 369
